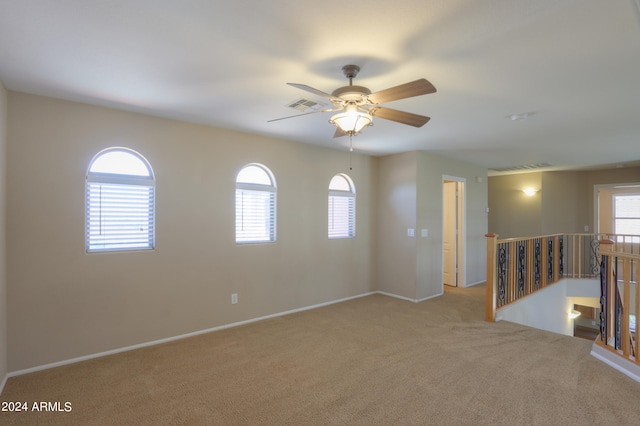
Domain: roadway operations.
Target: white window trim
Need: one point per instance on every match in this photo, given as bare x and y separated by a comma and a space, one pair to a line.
272, 190
616, 217
93, 178
351, 195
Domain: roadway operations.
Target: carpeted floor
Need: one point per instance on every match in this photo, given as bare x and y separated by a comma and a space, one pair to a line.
376, 360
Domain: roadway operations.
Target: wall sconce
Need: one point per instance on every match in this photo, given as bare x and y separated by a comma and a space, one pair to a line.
530, 191
574, 314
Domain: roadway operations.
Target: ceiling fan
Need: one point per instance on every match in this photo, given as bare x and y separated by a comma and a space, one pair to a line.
359, 105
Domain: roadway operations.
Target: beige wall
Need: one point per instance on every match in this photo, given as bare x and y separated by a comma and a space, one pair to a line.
565, 205
411, 196
565, 202
66, 303
397, 197
431, 172
3, 276
512, 213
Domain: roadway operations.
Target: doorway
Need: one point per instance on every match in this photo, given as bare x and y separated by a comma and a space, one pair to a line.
453, 231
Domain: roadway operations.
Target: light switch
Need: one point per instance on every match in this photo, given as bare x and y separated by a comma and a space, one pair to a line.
411, 232
424, 232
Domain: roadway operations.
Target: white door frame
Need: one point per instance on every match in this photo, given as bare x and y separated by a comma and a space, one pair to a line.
461, 246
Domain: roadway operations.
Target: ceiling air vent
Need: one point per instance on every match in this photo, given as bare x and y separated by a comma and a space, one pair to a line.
522, 167
306, 105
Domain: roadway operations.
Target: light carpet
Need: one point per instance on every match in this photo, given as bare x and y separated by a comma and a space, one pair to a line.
375, 360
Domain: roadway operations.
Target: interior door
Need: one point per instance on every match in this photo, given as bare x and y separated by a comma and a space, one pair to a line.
450, 233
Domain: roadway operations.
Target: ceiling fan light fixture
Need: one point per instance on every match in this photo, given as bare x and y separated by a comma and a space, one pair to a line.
352, 121
359, 105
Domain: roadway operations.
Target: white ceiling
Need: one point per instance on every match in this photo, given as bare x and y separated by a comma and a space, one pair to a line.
572, 65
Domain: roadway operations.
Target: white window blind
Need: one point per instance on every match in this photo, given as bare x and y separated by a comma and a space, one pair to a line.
255, 205
120, 208
342, 208
341, 216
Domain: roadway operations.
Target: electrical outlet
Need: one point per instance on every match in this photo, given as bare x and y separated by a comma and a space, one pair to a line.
234, 298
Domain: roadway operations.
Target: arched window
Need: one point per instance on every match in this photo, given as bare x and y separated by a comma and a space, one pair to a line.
342, 207
120, 202
255, 205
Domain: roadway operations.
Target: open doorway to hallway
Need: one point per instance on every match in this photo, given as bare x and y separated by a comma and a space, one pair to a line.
453, 230
586, 325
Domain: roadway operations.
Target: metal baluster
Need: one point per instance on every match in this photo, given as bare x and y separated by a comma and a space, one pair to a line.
549, 260
521, 269
604, 299
502, 275
537, 264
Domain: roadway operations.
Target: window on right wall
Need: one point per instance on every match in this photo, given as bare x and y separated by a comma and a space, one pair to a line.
626, 214
342, 207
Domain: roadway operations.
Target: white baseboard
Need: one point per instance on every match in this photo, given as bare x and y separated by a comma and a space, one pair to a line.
475, 283
384, 293
171, 339
624, 366
4, 382
430, 297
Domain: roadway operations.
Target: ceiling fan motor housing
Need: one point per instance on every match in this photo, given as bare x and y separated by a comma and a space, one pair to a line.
351, 93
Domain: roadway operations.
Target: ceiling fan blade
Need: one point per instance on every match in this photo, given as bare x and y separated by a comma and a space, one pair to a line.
292, 116
306, 113
316, 92
407, 90
403, 117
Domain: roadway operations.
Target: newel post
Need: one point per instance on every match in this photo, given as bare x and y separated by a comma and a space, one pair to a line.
490, 307
606, 245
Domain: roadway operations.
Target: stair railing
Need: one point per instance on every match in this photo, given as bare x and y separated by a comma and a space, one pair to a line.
518, 267
619, 301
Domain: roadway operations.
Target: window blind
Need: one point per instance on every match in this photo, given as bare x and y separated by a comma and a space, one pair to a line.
119, 216
342, 209
255, 215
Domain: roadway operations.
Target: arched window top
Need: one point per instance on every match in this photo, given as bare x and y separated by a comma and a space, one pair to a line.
120, 161
255, 205
120, 202
342, 182
256, 174
342, 207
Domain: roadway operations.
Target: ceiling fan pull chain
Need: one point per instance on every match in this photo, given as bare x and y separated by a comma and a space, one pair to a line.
350, 150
